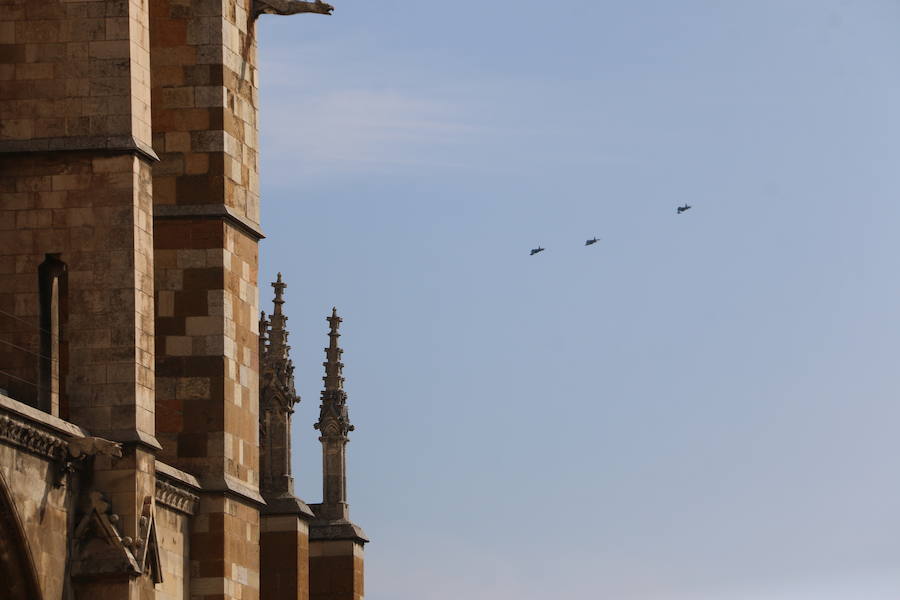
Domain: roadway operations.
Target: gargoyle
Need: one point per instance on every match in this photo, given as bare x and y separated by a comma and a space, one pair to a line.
79, 448
290, 7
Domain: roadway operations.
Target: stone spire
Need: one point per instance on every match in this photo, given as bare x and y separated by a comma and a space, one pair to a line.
335, 543
334, 368
278, 335
277, 398
334, 425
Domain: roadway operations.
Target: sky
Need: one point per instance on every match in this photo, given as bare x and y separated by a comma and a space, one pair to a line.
698, 407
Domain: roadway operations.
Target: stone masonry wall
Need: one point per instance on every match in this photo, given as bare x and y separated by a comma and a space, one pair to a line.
74, 74
284, 554
336, 570
95, 212
173, 536
208, 396
206, 211
43, 509
205, 101
228, 529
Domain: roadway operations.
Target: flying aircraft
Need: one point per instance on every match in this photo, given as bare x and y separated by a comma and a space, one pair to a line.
536, 250
592, 241
681, 209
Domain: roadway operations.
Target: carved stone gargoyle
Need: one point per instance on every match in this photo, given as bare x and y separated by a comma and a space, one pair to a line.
290, 7
80, 450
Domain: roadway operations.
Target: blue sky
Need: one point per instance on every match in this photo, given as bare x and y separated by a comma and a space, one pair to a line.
699, 407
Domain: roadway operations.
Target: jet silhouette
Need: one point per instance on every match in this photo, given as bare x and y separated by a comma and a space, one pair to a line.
591, 241
536, 250
681, 209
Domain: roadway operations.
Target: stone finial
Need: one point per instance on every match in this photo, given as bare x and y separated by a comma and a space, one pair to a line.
334, 368
277, 332
279, 286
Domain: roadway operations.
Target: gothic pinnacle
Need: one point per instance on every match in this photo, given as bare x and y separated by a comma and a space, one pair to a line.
334, 423
279, 293
278, 334
333, 366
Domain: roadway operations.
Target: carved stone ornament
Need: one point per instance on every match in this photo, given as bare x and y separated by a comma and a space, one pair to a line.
32, 439
98, 547
334, 419
176, 498
146, 547
80, 448
290, 7
276, 370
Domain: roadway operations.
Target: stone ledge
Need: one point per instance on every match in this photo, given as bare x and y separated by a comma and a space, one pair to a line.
41, 418
208, 211
175, 495
134, 437
177, 475
231, 487
326, 531
121, 143
288, 505
36, 431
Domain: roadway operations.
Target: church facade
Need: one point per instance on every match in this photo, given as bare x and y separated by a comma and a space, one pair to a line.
145, 405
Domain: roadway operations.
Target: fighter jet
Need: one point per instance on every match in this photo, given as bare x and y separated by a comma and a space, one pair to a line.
681, 209
591, 241
536, 250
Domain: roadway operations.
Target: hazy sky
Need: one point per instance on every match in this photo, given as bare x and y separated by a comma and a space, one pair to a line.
699, 407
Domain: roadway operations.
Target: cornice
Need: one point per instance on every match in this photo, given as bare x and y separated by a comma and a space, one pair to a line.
87, 143
209, 211
175, 496
32, 438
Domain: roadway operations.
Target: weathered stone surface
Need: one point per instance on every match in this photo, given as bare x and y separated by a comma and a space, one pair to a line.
129, 370
79, 74
336, 570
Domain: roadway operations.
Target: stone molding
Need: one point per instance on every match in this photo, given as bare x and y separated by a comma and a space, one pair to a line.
33, 439
176, 497
176, 489
287, 505
217, 484
116, 143
334, 531
33, 415
208, 211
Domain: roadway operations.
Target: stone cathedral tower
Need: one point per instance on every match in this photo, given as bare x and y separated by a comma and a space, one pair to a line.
138, 458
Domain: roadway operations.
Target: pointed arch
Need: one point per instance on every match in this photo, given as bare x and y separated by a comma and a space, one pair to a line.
17, 570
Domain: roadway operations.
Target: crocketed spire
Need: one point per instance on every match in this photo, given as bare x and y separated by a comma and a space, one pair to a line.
277, 397
334, 420
278, 333
334, 368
